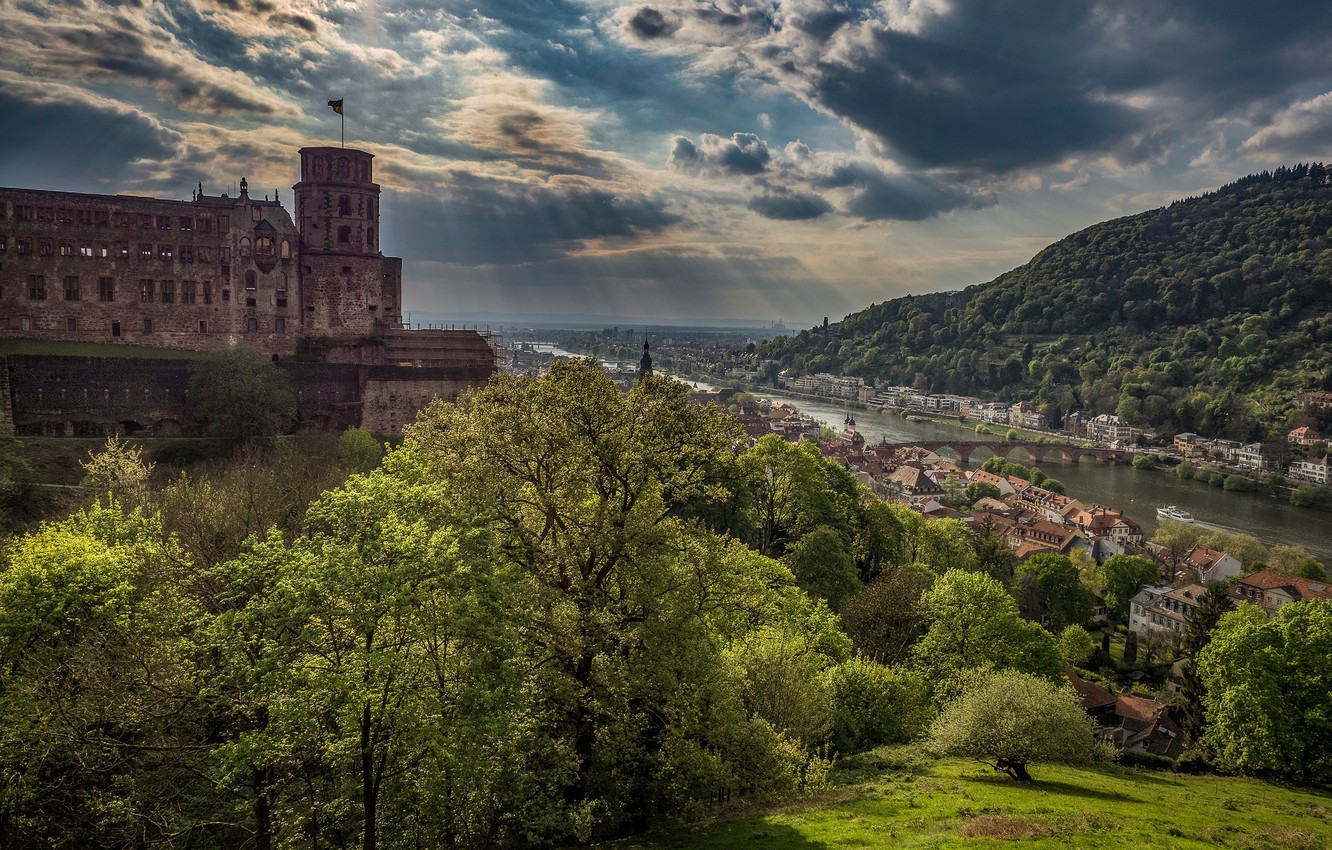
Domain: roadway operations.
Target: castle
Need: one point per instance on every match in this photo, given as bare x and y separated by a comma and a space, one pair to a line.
213, 270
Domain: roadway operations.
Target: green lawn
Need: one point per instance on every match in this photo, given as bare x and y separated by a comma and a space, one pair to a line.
94, 349
954, 803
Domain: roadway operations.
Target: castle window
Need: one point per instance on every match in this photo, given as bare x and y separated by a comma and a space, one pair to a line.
370, 210
86, 217
145, 222
66, 216
203, 326
147, 327
115, 329
318, 162
224, 254
344, 167
145, 251
103, 250
106, 289
168, 291
66, 249
165, 252
36, 287
101, 218
286, 249
186, 223
164, 222
45, 247
256, 214
187, 253
344, 205
245, 246
71, 324
370, 237
22, 247
122, 219
280, 325
45, 214
344, 235
282, 282
250, 280
71, 288
205, 225
208, 292
187, 292
226, 295
263, 246
86, 250
251, 325
3, 244
224, 224
25, 324
146, 290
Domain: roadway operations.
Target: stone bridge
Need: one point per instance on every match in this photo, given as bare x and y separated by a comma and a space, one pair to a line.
1038, 452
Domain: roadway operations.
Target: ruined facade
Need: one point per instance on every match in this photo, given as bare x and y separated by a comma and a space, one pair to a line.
189, 274
207, 272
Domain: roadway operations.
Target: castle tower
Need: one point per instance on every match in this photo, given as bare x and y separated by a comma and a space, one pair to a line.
348, 287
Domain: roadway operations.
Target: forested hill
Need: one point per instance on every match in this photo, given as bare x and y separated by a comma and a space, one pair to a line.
1207, 315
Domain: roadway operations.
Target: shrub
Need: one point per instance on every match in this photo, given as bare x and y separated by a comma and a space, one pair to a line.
180, 453
1240, 484
1145, 462
1145, 760
1194, 761
874, 705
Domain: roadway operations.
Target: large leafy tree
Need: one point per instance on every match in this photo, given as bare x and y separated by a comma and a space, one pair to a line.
975, 623
239, 393
1058, 589
1123, 576
1010, 720
1267, 684
886, 617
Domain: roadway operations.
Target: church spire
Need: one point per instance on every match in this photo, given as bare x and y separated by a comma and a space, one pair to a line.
645, 364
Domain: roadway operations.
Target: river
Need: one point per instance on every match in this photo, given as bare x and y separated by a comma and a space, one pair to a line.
1136, 492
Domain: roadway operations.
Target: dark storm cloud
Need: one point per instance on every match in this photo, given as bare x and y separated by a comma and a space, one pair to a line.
479, 221
742, 153
647, 22
790, 206
897, 197
74, 145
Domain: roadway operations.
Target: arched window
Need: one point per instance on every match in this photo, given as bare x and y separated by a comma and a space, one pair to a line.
282, 282
370, 237
344, 205
344, 167
245, 246
263, 246
370, 210
319, 166
286, 249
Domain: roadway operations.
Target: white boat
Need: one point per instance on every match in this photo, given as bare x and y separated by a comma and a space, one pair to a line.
1172, 512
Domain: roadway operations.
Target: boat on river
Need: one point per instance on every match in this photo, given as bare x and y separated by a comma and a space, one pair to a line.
1177, 514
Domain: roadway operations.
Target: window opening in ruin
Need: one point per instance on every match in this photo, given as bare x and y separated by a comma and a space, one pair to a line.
146, 290
122, 219
224, 224
226, 295
45, 247
344, 168
164, 222
86, 250
344, 235
145, 222
66, 216
187, 292
36, 287
168, 291
165, 252
115, 329
106, 289
263, 246
187, 253
250, 280
71, 324
145, 251
245, 246
71, 288
344, 205
280, 325
66, 249
286, 250
252, 325
22, 247
85, 216
147, 326
205, 225
186, 223
208, 292
25, 324
203, 326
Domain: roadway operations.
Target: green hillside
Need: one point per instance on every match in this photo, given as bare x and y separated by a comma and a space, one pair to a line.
1208, 315
955, 804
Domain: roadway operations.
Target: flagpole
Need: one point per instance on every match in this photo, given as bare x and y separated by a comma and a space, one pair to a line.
343, 116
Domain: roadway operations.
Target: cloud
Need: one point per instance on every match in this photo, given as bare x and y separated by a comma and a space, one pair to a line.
790, 206
649, 23
742, 153
1300, 131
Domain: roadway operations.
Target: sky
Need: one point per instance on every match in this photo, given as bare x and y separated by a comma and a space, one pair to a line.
686, 160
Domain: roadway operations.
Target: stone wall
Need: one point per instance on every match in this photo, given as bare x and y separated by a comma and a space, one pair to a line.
6, 405
95, 396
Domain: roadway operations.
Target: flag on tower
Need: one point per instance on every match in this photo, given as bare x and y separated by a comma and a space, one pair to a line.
337, 105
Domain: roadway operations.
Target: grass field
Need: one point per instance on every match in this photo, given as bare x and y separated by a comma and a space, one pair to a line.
887, 801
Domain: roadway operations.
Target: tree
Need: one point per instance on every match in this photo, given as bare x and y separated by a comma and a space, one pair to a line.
886, 617
239, 393
1123, 576
994, 557
1009, 720
1058, 586
1243, 547
874, 705
1266, 684
1296, 560
975, 623
821, 565
1075, 645
946, 544
118, 471
1214, 604
1178, 538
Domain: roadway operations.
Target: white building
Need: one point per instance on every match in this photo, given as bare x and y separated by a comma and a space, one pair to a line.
1313, 469
1108, 428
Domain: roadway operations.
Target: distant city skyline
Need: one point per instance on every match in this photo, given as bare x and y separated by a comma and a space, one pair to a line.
682, 159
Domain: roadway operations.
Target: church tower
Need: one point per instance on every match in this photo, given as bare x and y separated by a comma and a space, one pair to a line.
348, 287
645, 364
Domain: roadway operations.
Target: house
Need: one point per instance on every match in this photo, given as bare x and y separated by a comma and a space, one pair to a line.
1103, 523
1303, 436
1270, 589
1250, 456
1167, 612
1314, 401
1139, 604
1204, 565
1130, 722
1190, 445
913, 481
999, 482
1075, 423
1313, 469
1027, 415
1108, 428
